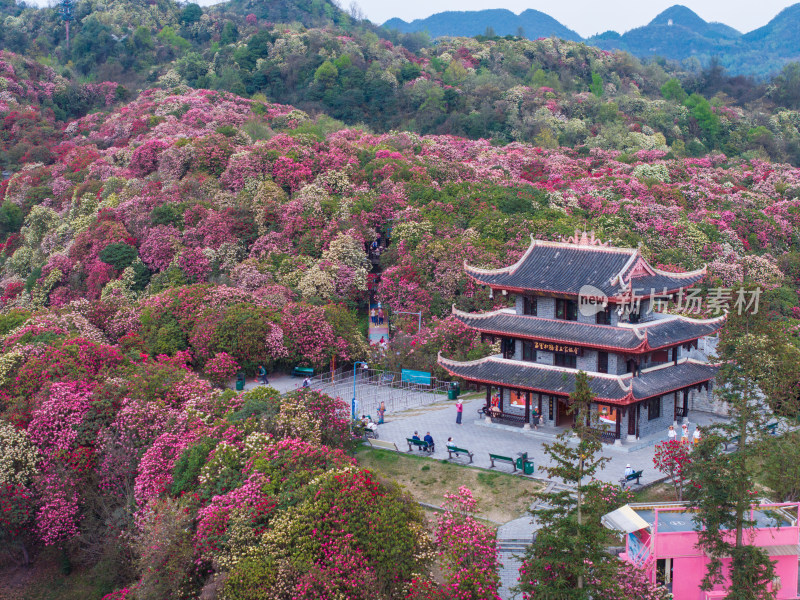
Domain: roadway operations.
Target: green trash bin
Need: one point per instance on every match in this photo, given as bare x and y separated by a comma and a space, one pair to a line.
453, 390
523, 464
240, 380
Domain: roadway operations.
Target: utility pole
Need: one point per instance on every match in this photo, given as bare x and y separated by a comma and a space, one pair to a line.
66, 6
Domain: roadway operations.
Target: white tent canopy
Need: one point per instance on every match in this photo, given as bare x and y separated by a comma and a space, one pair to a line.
625, 520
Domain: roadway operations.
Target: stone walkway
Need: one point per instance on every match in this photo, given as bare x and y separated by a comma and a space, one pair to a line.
378, 332
280, 381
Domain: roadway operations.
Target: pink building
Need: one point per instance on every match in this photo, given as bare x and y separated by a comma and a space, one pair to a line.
661, 538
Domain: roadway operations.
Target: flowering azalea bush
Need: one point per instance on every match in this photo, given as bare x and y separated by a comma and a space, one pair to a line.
221, 368
673, 459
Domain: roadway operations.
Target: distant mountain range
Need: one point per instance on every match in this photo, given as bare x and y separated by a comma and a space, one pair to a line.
534, 24
678, 33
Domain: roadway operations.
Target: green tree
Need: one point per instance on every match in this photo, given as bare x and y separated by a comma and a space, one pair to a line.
781, 471
326, 74
787, 86
118, 255
672, 90
596, 87
455, 73
723, 483
568, 560
191, 13
705, 117
11, 218
229, 35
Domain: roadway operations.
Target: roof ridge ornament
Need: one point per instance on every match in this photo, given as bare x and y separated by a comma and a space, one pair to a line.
582, 238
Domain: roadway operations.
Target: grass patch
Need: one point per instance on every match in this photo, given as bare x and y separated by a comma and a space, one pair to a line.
501, 497
659, 492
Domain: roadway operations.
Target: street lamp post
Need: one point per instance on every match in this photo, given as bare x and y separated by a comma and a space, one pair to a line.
419, 317
353, 401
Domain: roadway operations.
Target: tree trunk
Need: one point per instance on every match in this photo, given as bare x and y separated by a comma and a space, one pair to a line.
580, 514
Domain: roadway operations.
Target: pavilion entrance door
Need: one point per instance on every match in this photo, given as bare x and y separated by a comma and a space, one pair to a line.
563, 416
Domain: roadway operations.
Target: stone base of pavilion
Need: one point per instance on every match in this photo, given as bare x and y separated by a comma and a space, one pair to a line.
549, 433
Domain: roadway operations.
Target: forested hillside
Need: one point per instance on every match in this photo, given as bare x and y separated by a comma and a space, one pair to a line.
155, 241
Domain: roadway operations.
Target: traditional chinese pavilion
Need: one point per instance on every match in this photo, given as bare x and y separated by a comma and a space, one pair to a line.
582, 305
661, 539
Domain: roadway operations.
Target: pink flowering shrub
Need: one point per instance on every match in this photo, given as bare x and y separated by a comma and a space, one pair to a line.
221, 368
253, 505
145, 158
309, 338
467, 550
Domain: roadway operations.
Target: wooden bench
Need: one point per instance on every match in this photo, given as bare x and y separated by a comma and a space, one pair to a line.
420, 444
623, 483
383, 445
499, 458
731, 440
456, 450
772, 428
303, 372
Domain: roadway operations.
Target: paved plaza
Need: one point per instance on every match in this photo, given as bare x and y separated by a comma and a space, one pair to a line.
481, 438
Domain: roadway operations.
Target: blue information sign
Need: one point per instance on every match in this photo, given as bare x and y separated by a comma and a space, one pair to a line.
421, 377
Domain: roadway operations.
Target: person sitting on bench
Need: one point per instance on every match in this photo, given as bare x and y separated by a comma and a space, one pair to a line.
429, 438
451, 444
368, 424
415, 437
628, 471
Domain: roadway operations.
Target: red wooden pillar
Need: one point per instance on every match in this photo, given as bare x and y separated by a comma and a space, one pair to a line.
502, 390
488, 396
527, 408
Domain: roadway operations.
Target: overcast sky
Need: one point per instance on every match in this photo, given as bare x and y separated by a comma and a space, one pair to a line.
587, 17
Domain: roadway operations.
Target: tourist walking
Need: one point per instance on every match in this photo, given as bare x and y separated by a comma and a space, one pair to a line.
373, 316
459, 410
671, 433
262, 375
535, 418
380, 316
685, 434
696, 435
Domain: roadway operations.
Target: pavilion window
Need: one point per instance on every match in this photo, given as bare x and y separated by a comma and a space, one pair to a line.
566, 310
653, 408
528, 351
529, 306
507, 346
602, 362
565, 360
604, 316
